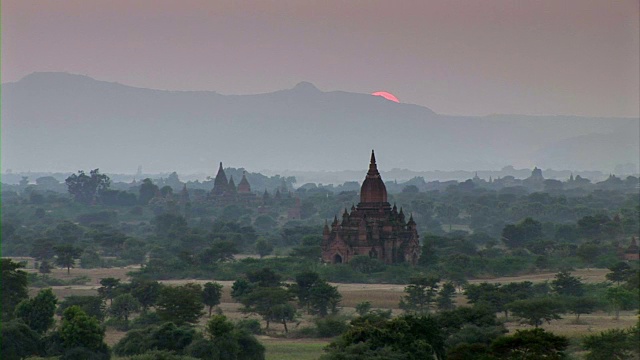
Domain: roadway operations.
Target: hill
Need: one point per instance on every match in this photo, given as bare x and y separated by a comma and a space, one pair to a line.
60, 121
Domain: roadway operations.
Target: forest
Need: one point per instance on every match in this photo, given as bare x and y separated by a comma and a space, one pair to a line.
200, 275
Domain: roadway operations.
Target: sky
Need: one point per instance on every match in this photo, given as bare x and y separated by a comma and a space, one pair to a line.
570, 57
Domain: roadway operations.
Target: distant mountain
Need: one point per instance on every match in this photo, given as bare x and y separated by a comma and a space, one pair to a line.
59, 121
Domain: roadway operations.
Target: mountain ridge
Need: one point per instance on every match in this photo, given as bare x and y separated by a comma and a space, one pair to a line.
302, 127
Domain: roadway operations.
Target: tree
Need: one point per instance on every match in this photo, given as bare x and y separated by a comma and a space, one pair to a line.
108, 288
91, 305
323, 298
620, 272
220, 251
283, 313
588, 252
537, 310
612, 344
14, 287
66, 256
263, 248
146, 292
38, 312
218, 326
263, 301
445, 296
448, 213
18, 341
531, 344
87, 188
303, 285
565, 284
180, 304
521, 234
619, 297
363, 308
79, 330
211, 295
420, 293
147, 191
581, 305
123, 306
406, 337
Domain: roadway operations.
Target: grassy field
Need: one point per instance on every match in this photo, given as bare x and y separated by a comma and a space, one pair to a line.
383, 296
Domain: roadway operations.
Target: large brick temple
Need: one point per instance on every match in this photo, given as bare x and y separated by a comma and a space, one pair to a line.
373, 228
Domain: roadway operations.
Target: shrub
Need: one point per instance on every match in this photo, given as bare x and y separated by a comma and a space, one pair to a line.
331, 326
252, 326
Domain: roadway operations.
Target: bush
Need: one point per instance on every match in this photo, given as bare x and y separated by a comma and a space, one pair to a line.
331, 326
160, 355
252, 326
366, 265
82, 353
145, 320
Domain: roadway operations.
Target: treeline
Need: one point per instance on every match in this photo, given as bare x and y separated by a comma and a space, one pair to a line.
163, 321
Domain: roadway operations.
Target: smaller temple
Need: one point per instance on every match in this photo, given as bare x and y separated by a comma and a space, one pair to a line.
226, 192
632, 252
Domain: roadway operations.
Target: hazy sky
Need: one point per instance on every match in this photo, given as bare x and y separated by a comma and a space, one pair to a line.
470, 57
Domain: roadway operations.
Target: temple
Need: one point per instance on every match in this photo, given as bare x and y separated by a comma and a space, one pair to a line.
373, 228
225, 191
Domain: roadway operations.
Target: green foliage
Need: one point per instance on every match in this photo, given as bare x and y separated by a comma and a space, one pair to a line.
537, 310
612, 344
620, 272
146, 292
420, 294
79, 330
252, 326
522, 234
123, 306
14, 287
18, 341
211, 294
620, 298
531, 344
330, 326
323, 298
218, 326
91, 305
406, 337
108, 288
363, 308
38, 312
366, 265
161, 355
86, 189
263, 248
445, 296
581, 305
566, 285
66, 256
263, 301
180, 304
165, 337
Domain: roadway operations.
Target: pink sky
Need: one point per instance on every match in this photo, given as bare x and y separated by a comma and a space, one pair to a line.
577, 57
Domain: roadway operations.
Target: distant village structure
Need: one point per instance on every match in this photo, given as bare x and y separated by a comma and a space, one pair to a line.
373, 228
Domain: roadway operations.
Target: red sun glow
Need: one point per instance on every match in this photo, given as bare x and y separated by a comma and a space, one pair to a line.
386, 95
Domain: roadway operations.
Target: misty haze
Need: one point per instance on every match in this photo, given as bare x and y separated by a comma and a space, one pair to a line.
331, 180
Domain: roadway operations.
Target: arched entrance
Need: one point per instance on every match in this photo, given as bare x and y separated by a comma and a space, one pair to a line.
337, 259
